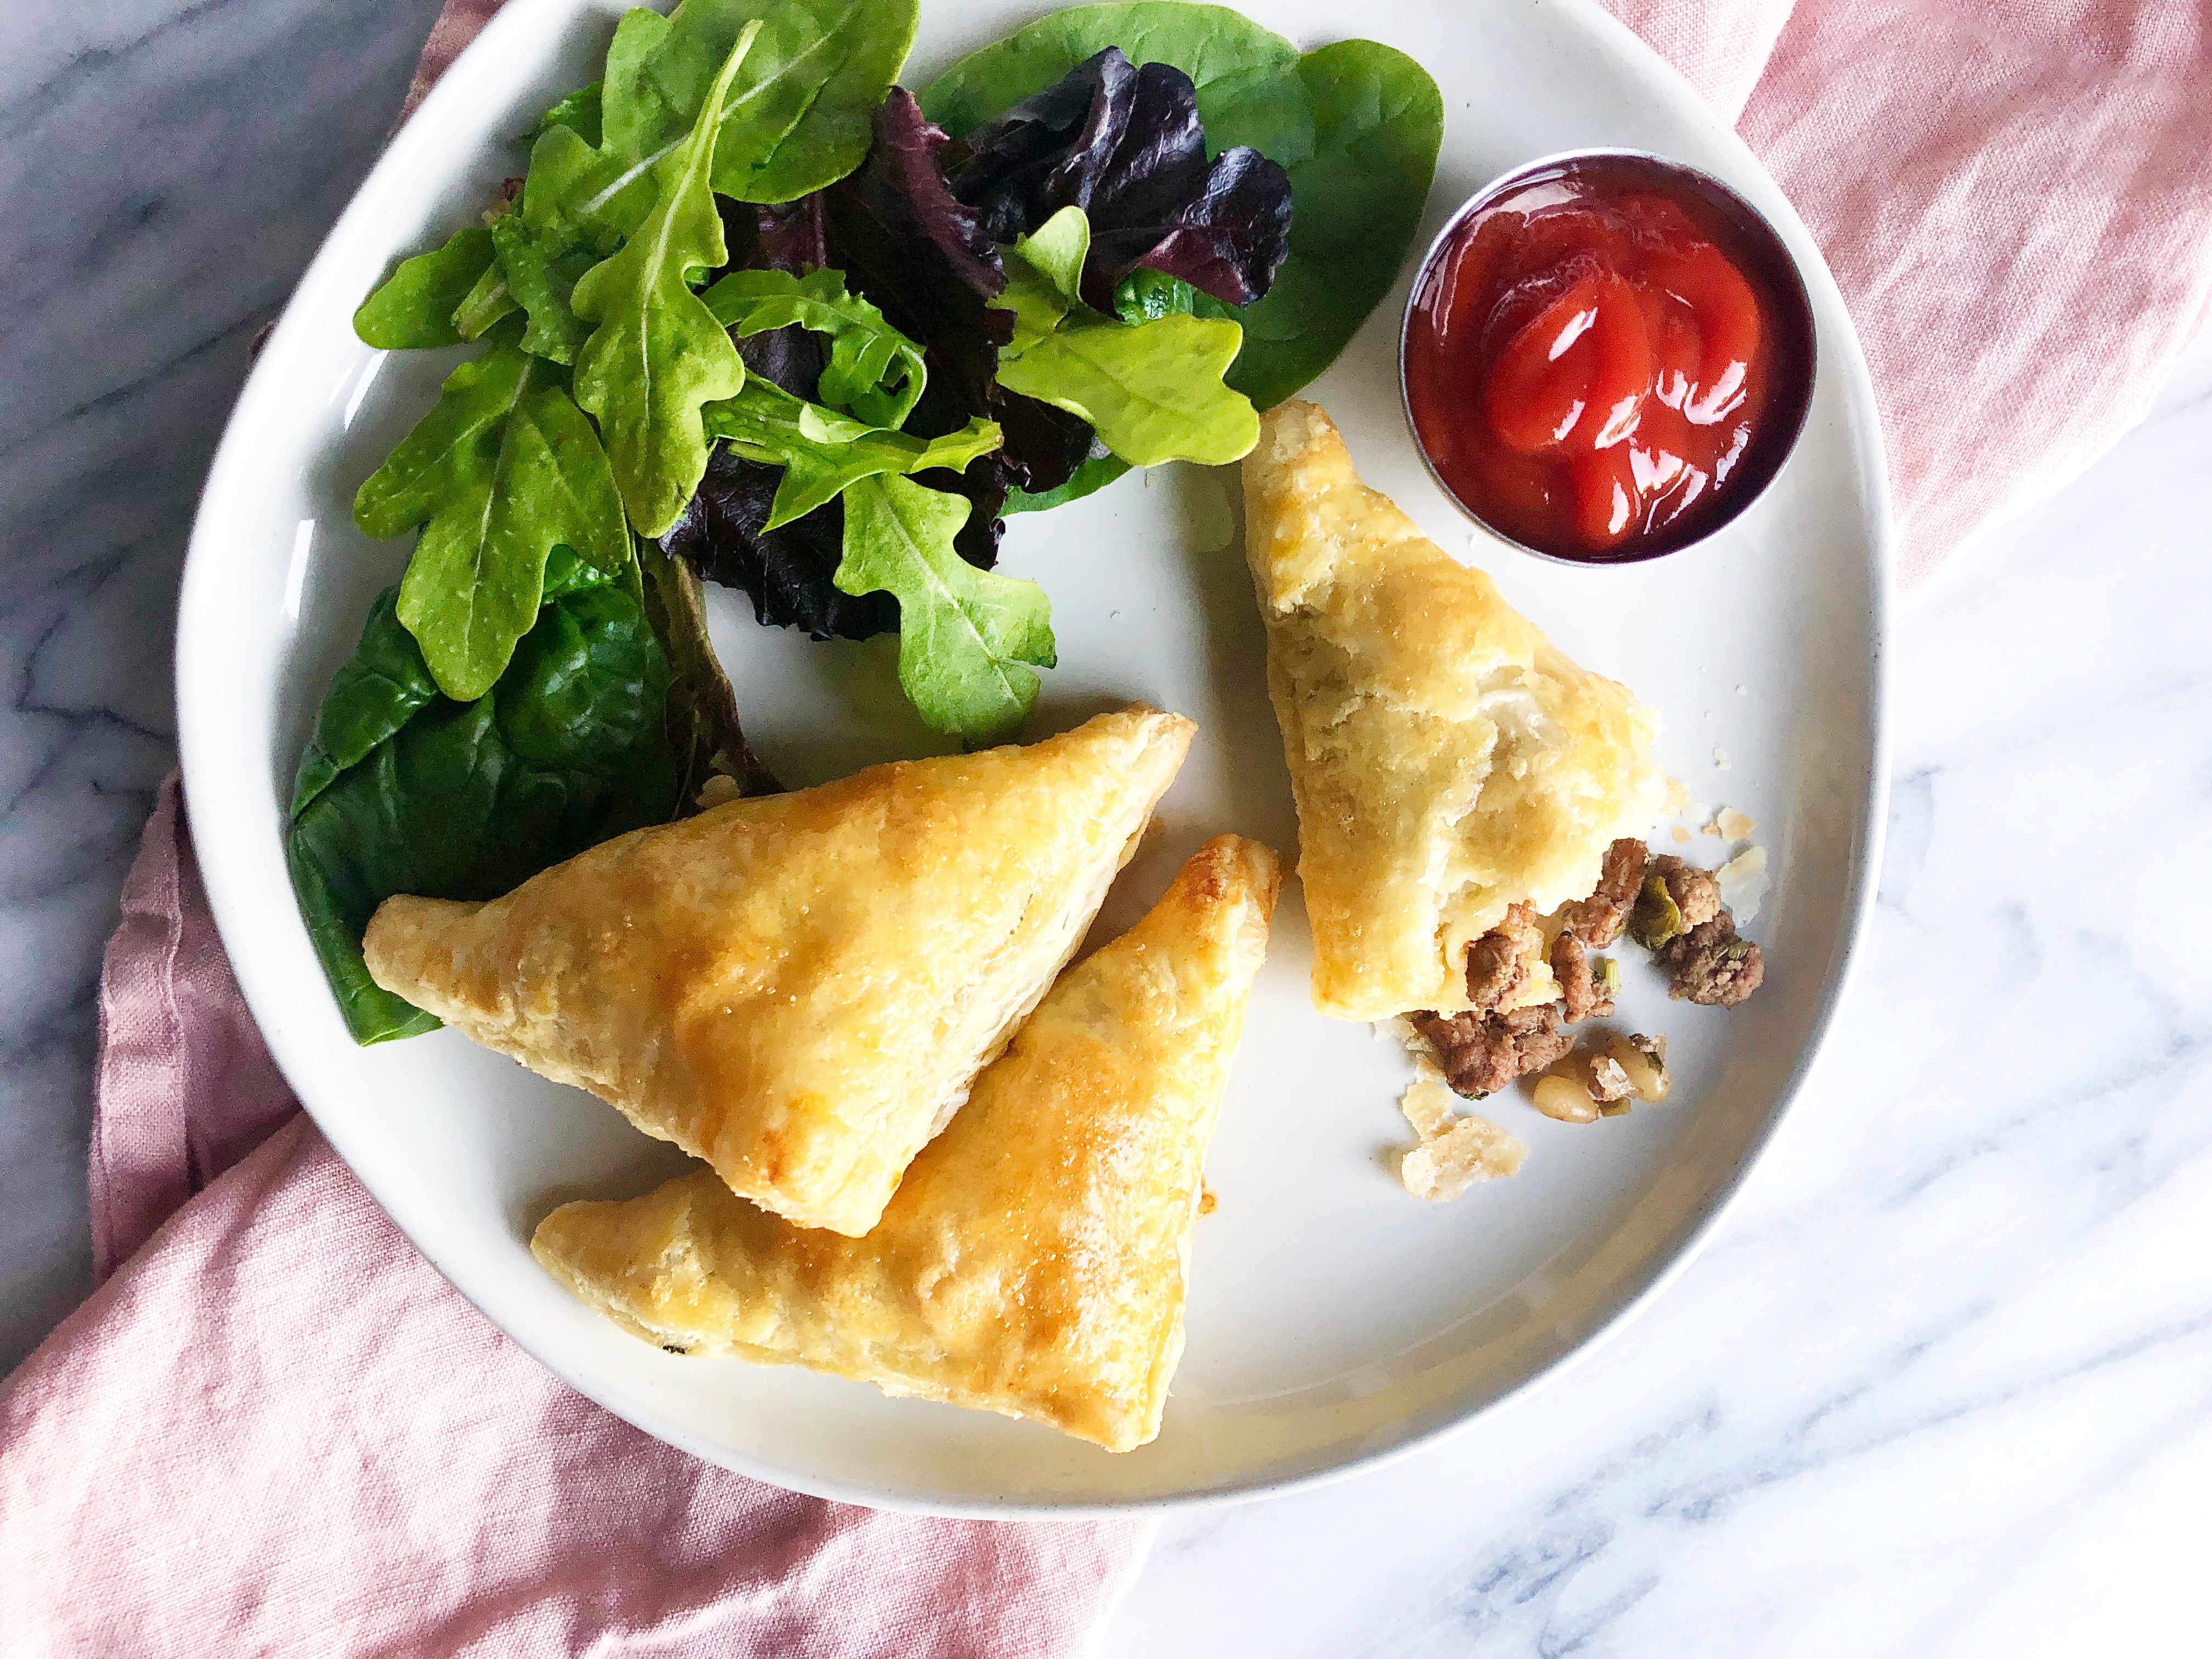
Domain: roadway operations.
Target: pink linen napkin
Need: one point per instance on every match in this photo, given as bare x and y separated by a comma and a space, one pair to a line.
273, 1429
2016, 198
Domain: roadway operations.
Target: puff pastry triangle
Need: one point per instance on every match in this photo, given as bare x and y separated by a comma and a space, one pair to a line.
1448, 761
800, 989
1033, 1261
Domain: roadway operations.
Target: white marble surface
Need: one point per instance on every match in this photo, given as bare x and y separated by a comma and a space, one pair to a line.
1943, 1384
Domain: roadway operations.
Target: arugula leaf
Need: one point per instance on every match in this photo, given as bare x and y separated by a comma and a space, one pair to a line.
1356, 126
822, 453
872, 369
504, 469
402, 792
580, 110
485, 304
414, 308
541, 272
964, 635
658, 355
1152, 391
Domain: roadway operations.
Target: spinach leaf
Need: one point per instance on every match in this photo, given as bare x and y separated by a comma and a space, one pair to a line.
872, 369
1094, 474
964, 635
414, 308
1356, 126
658, 355
1153, 390
1378, 123
503, 470
822, 453
403, 792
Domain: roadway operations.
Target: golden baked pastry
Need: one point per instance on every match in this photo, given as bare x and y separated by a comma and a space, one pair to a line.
1033, 1259
800, 989
1447, 760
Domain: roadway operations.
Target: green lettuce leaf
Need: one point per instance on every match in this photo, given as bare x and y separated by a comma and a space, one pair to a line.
822, 453
402, 792
965, 636
657, 355
1153, 391
1044, 275
873, 370
502, 470
414, 308
1356, 125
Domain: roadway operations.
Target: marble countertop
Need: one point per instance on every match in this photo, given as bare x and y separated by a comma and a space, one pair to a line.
1943, 1383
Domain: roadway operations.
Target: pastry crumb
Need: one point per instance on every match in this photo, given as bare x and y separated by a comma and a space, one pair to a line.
1744, 883
1720, 759
1455, 1152
719, 790
1681, 837
1731, 825
1206, 1201
1427, 1104
1678, 797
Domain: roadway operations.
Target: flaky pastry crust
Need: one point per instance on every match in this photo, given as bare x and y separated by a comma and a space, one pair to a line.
1033, 1262
800, 989
1448, 761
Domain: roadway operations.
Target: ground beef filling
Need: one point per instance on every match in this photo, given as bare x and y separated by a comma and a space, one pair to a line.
1696, 893
1597, 920
1480, 1054
1711, 965
1495, 968
1583, 997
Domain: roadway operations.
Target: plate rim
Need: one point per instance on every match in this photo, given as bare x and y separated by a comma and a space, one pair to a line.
231, 463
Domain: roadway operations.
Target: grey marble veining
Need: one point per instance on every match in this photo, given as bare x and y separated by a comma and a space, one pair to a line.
168, 169
1943, 1385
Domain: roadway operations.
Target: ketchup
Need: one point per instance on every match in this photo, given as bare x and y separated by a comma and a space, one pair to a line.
1599, 362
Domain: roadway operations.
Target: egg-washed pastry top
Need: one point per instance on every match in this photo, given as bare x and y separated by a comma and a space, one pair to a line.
1448, 761
800, 989
1033, 1261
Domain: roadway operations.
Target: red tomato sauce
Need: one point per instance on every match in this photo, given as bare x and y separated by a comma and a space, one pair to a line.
1598, 363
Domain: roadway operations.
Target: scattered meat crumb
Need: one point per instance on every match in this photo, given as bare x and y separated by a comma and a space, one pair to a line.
1696, 893
1710, 966
1482, 1052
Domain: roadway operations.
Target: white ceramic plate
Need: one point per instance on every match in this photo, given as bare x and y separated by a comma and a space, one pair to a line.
1333, 1318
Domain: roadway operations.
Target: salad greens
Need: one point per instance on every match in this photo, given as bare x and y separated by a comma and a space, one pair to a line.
403, 790
1356, 126
750, 313
414, 308
874, 370
964, 635
658, 355
503, 471
823, 453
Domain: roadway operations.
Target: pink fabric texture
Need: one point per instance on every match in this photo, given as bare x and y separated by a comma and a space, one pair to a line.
2016, 198
273, 1429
